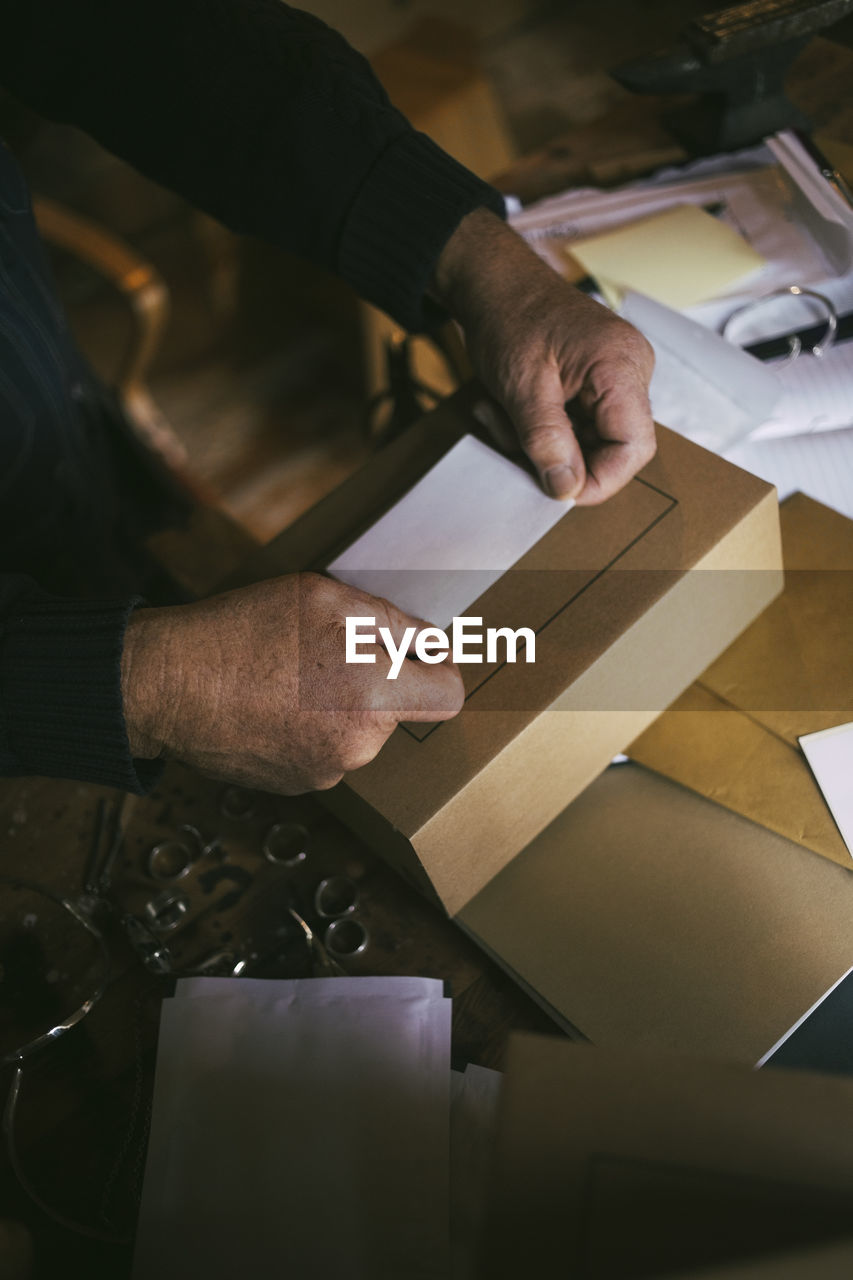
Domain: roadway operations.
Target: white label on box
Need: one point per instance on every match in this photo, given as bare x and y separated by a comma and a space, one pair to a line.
469, 519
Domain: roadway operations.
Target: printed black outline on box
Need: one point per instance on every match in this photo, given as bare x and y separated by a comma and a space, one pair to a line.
673, 503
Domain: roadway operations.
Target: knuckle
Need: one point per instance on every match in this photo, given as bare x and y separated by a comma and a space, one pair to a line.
384, 610
356, 753
312, 584
633, 338
648, 448
356, 760
325, 781
326, 637
632, 346
316, 594
645, 352
542, 435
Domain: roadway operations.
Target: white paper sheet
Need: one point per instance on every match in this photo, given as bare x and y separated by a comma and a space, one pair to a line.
830, 755
817, 395
820, 465
328, 988
468, 520
473, 1117
702, 386
301, 1133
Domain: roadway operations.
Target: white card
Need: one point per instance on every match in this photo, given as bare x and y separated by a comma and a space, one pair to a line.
468, 520
830, 754
702, 386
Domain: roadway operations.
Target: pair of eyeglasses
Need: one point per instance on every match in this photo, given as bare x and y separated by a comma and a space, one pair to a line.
55, 961
54, 968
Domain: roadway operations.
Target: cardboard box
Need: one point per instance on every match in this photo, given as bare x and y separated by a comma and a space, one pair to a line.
621, 1165
630, 601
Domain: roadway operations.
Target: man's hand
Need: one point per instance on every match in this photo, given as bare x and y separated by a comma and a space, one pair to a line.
252, 686
539, 345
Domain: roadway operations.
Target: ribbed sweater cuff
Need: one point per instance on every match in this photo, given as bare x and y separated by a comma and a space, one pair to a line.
412, 201
60, 693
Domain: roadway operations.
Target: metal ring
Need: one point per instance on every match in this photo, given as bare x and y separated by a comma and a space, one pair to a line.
335, 896
795, 346
205, 847
154, 954
345, 937
236, 803
286, 844
222, 964
165, 912
169, 860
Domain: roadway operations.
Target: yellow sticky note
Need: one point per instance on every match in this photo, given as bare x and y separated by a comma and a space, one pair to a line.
679, 256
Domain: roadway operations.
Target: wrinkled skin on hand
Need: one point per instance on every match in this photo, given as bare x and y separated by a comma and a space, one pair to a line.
252, 686
567, 377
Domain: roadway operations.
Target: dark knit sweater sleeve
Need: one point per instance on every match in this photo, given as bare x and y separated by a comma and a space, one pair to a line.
259, 114
60, 688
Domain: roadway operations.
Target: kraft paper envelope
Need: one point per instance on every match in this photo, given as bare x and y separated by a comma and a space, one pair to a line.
613, 1166
733, 735
646, 916
822, 1262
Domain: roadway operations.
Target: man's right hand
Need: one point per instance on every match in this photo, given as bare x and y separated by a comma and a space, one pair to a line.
252, 687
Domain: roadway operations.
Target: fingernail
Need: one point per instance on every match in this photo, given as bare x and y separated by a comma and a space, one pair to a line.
561, 481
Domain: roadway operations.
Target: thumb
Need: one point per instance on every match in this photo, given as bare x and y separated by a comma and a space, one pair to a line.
428, 693
546, 435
